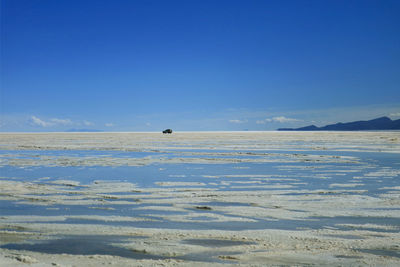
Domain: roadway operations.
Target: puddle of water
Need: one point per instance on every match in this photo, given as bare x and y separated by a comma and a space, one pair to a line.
336, 221
376, 235
10, 208
145, 176
203, 218
102, 245
382, 252
166, 224
85, 245
163, 223
224, 204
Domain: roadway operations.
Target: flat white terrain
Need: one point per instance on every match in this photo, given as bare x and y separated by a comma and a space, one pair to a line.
200, 198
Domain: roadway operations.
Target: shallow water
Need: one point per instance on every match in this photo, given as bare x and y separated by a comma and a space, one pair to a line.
109, 245
383, 252
346, 188
369, 173
84, 245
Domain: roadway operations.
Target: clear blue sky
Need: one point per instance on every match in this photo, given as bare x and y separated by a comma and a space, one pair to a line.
197, 65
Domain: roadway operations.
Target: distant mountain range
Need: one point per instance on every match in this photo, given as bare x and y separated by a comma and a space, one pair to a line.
382, 123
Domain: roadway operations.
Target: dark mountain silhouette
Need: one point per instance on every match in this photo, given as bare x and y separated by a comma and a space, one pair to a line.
382, 123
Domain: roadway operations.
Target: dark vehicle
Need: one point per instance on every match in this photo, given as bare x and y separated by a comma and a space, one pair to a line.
167, 131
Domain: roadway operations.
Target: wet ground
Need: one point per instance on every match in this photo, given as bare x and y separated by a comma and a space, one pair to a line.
212, 199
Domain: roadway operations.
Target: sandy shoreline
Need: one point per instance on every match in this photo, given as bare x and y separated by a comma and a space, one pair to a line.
255, 199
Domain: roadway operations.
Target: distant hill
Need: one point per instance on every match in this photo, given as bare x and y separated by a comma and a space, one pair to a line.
83, 130
383, 123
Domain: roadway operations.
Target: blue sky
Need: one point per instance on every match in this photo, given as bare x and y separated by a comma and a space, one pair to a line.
197, 65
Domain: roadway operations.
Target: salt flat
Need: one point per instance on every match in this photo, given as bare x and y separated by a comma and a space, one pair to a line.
200, 198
